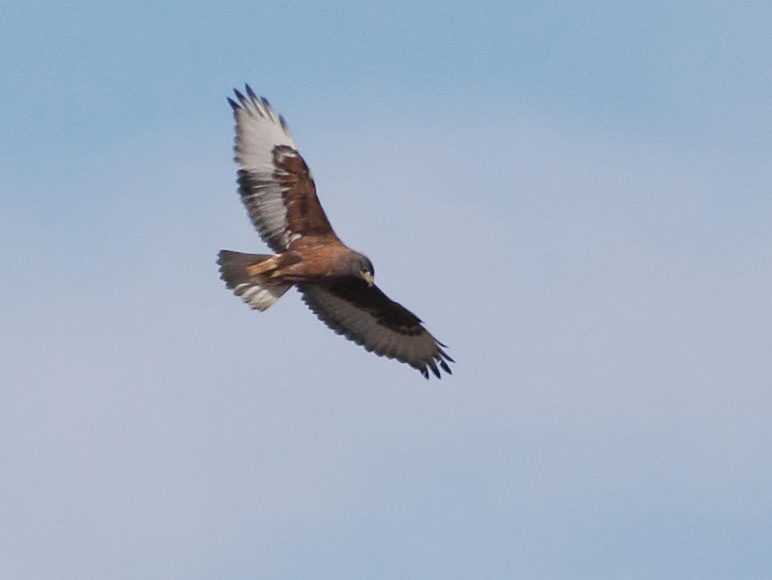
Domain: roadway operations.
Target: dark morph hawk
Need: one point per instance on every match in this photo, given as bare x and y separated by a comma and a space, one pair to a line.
335, 281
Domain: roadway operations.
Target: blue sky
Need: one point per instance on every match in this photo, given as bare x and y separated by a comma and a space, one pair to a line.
574, 196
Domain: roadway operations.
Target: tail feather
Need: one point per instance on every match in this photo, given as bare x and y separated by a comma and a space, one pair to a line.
259, 292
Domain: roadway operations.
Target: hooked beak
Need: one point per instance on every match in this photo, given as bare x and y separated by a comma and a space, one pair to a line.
368, 277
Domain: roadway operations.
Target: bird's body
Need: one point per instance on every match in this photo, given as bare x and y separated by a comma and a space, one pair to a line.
336, 282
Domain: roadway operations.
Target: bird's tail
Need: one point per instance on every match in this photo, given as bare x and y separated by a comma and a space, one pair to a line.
256, 290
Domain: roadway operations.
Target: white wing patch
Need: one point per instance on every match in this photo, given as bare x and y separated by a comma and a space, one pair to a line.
259, 130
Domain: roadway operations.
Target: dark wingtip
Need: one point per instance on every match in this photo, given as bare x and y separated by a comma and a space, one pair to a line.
250, 92
242, 99
433, 367
234, 105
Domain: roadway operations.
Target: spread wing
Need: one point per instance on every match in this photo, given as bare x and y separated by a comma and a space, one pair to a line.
367, 316
274, 181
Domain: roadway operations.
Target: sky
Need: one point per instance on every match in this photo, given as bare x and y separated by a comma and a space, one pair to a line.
574, 196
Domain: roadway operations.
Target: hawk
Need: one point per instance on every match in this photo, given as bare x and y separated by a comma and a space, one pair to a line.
335, 282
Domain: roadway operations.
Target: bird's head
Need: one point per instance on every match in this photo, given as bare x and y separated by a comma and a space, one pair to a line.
362, 267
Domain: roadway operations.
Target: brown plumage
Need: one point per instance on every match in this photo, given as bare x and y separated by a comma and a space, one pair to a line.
335, 281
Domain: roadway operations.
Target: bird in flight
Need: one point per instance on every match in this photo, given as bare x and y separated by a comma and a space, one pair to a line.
335, 282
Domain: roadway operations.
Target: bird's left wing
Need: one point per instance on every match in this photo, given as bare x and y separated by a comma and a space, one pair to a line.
368, 317
274, 181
